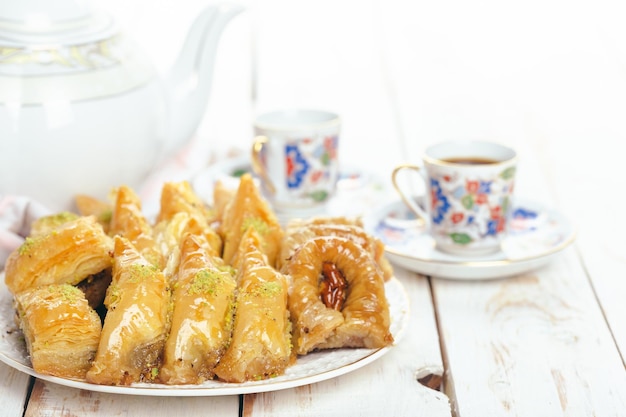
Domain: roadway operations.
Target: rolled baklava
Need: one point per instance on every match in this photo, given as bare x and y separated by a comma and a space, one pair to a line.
136, 323
260, 347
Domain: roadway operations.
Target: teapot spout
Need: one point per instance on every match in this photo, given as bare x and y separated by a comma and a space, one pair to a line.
188, 83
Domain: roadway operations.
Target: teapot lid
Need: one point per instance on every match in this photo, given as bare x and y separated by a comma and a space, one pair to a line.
45, 22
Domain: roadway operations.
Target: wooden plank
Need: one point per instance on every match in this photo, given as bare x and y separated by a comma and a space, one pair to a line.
389, 386
591, 199
603, 251
50, 399
538, 345
14, 386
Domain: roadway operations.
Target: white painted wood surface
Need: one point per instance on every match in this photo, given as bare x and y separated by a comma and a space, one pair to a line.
548, 77
538, 345
588, 182
48, 399
14, 386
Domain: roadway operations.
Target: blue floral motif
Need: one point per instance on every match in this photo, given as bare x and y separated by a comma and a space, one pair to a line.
522, 213
439, 202
297, 166
492, 227
484, 187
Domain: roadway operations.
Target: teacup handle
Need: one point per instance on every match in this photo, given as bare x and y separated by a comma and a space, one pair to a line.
419, 212
257, 166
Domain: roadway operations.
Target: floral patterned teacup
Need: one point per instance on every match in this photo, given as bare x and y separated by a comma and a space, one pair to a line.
469, 191
295, 155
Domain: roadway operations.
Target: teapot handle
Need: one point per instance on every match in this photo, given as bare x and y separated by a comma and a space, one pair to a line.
188, 83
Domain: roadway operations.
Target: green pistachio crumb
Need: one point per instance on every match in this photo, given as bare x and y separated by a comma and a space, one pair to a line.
258, 224
205, 282
29, 244
268, 289
68, 292
140, 272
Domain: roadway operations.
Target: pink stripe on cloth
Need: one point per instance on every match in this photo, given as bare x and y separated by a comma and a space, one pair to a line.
16, 216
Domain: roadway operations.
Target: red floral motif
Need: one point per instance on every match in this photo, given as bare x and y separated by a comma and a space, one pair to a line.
472, 187
433, 198
481, 199
330, 146
291, 165
501, 224
315, 176
457, 217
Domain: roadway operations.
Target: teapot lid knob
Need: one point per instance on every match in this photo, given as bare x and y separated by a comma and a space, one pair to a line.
32, 22
24, 11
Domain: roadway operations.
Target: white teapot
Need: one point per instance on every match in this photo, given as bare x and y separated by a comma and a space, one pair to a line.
81, 110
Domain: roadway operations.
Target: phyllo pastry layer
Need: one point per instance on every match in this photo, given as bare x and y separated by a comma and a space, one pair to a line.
248, 209
65, 255
300, 231
61, 330
128, 221
136, 323
203, 296
261, 342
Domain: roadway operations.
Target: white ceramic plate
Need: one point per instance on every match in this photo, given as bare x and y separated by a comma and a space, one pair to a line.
536, 235
308, 369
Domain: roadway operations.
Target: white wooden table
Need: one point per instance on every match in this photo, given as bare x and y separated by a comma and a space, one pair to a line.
549, 78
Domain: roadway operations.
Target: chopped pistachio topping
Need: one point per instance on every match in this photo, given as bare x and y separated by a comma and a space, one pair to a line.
58, 219
112, 296
268, 289
105, 216
69, 293
140, 272
29, 244
258, 224
205, 282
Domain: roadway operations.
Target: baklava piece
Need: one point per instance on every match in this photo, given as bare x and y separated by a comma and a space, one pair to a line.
61, 330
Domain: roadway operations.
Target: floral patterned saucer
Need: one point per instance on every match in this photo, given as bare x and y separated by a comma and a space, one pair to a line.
357, 190
536, 234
